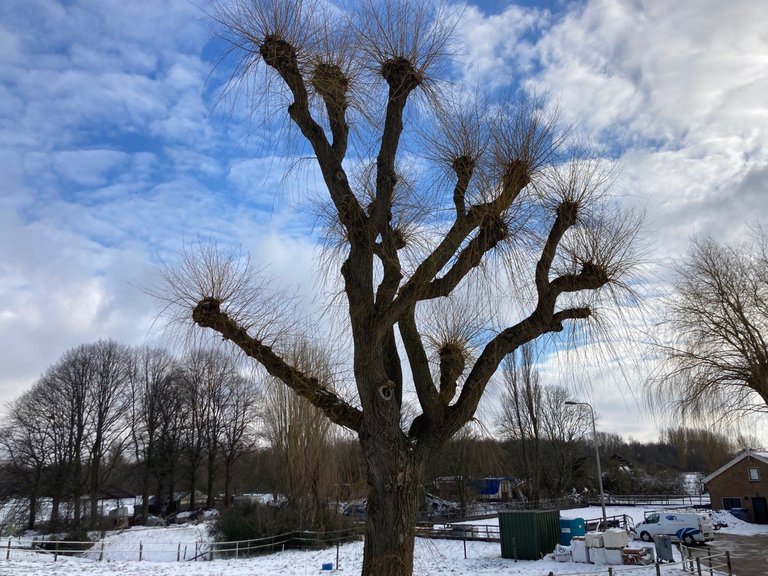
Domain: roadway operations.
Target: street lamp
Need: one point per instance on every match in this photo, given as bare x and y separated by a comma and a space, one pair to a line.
597, 456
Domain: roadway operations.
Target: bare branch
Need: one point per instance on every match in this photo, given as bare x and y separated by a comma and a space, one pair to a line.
279, 34
717, 319
208, 314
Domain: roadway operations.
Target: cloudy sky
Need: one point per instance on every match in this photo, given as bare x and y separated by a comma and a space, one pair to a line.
113, 153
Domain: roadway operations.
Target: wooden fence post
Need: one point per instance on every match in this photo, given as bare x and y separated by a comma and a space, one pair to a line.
141, 550
178, 552
8, 553
56, 551
728, 561
698, 566
709, 558
101, 551
514, 547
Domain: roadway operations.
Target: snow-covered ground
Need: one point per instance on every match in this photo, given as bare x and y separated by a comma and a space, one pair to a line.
432, 558
735, 526
160, 547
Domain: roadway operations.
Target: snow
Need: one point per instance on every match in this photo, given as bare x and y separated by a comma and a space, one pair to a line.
160, 546
432, 558
735, 526
154, 544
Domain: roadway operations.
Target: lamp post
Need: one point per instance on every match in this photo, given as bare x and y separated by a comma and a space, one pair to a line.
597, 456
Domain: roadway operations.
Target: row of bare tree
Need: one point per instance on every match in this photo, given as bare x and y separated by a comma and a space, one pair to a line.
103, 403
535, 414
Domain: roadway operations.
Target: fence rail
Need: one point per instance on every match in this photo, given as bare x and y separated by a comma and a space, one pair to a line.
696, 561
703, 562
203, 550
483, 532
485, 510
700, 501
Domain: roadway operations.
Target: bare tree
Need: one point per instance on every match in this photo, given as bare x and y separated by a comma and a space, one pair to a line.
207, 372
521, 408
48, 405
25, 450
82, 399
301, 438
68, 387
548, 434
171, 436
151, 387
238, 430
494, 209
716, 349
565, 432
108, 401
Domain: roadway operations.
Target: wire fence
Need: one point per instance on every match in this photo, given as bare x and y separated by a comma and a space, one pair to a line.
483, 532
695, 561
703, 562
200, 550
701, 501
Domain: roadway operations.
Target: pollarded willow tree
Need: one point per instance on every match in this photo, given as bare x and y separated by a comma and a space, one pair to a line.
461, 232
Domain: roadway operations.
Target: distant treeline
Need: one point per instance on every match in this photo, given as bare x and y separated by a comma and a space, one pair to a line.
107, 417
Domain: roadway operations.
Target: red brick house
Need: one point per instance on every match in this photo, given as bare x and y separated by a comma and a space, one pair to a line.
742, 483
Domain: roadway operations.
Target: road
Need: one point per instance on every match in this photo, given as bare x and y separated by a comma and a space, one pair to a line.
749, 554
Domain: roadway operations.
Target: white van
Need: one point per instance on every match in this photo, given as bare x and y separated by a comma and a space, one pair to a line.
690, 527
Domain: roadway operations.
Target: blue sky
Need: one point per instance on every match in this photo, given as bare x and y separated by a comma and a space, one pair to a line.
113, 154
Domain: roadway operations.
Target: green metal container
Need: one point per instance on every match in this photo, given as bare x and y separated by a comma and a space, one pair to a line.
528, 534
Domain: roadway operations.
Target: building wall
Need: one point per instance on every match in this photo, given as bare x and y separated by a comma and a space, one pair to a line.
735, 483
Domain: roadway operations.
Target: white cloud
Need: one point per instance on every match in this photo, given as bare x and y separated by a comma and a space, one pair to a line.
87, 167
492, 48
676, 92
113, 156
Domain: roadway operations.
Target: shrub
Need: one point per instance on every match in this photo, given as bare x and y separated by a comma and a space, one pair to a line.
253, 521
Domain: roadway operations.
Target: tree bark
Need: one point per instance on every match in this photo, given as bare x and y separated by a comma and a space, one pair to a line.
76, 493
53, 523
145, 499
32, 510
394, 475
227, 482
95, 485
211, 471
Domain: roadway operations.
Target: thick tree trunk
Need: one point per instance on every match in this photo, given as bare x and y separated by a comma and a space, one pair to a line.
53, 523
211, 469
394, 478
227, 482
32, 510
172, 489
193, 489
77, 499
94, 499
145, 496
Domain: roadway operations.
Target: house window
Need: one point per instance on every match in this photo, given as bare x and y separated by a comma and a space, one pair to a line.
729, 503
754, 474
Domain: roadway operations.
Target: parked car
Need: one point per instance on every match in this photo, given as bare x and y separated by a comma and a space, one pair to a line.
151, 520
688, 527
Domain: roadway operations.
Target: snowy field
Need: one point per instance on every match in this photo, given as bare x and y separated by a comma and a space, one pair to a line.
432, 558
735, 526
160, 547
